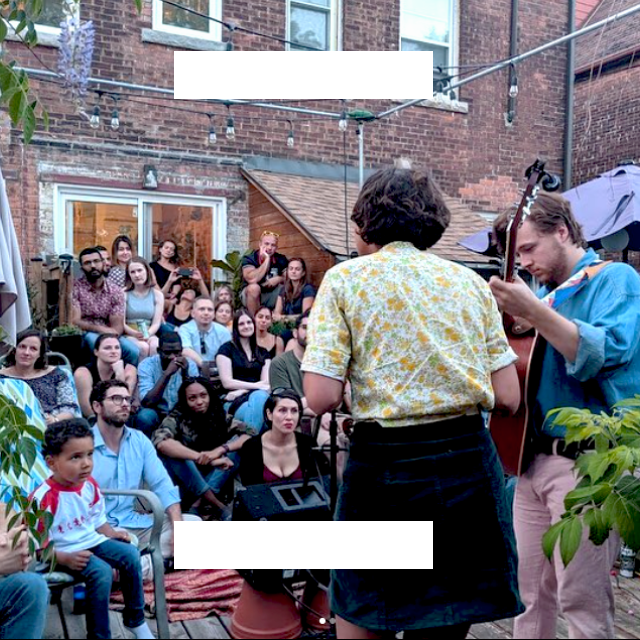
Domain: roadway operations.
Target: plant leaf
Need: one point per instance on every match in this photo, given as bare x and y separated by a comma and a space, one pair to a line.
570, 538
550, 538
598, 526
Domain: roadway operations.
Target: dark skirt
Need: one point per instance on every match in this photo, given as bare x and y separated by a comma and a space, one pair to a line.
448, 473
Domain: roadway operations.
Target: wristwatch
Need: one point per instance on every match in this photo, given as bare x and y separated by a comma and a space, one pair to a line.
226, 448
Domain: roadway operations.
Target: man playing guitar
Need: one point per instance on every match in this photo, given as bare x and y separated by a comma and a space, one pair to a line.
588, 312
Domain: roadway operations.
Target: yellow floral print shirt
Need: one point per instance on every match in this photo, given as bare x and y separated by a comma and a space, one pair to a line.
418, 336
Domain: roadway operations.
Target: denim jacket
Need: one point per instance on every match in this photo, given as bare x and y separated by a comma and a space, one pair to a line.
607, 366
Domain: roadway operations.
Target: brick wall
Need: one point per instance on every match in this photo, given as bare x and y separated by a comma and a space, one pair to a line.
473, 155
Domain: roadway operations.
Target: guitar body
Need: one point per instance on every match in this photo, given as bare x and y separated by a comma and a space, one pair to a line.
509, 433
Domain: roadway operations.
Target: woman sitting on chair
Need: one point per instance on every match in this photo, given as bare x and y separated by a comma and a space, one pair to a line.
281, 453
53, 387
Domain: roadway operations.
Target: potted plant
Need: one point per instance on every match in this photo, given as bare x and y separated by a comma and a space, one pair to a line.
607, 495
67, 339
232, 264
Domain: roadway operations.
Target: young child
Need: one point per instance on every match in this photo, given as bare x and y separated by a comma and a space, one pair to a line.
83, 542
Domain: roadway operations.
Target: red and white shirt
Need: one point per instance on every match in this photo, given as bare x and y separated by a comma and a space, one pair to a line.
77, 513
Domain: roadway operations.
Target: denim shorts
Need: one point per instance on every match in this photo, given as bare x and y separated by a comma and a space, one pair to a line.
449, 473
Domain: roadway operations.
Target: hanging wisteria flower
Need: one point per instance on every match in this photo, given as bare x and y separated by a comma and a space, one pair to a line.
75, 55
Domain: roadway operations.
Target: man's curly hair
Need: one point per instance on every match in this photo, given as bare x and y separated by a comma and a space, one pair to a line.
401, 204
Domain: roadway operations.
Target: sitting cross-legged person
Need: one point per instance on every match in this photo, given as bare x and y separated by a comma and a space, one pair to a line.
84, 543
197, 448
160, 377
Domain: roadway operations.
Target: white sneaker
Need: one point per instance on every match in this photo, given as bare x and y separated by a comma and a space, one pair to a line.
147, 568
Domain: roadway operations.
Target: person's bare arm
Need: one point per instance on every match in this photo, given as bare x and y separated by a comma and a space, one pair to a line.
253, 275
174, 449
192, 355
506, 389
116, 324
323, 394
84, 384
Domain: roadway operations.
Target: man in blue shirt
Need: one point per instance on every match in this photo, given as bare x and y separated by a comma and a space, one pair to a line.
202, 337
125, 459
588, 313
159, 378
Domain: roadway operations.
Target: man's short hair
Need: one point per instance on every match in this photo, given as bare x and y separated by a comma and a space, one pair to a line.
99, 391
200, 298
304, 316
169, 337
99, 247
401, 205
59, 433
548, 213
87, 251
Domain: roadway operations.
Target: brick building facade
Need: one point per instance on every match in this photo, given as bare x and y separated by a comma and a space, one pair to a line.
75, 185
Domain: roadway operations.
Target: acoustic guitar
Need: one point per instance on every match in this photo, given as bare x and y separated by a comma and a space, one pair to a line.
509, 433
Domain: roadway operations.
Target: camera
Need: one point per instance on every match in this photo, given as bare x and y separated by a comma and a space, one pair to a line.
187, 273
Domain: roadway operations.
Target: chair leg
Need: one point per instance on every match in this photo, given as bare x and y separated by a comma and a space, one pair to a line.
63, 620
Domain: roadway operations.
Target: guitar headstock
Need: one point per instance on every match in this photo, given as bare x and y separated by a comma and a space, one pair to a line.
534, 174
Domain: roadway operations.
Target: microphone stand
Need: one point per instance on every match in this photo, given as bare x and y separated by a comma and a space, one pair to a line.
333, 453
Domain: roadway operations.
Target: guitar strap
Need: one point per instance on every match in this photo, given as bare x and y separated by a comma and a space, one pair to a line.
560, 294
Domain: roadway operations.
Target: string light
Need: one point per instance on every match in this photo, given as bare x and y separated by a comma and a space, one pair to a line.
342, 125
290, 140
513, 87
115, 119
213, 138
231, 130
94, 120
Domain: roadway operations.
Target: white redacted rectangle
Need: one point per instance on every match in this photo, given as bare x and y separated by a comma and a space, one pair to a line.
321, 545
298, 75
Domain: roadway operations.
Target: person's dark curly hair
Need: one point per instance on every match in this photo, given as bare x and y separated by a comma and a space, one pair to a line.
401, 204
59, 433
42, 361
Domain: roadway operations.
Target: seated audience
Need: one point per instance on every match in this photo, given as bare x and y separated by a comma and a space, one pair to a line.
281, 452
52, 386
106, 364
243, 367
181, 312
121, 252
166, 264
124, 458
296, 294
144, 308
160, 377
263, 273
84, 543
196, 447
223, 314
202, 337
224, 294
272, 344
98, 305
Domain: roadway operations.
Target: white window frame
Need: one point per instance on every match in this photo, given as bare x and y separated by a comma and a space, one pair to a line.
454, 18
45, 32
334, 10
66, 193
215, 28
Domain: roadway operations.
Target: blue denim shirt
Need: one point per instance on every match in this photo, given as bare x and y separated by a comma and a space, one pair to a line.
150, 371
607, 366
136, 462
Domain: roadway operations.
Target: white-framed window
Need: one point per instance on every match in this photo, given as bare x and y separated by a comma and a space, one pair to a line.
47, 23
313, 23
430, 25
90, 216
171, 19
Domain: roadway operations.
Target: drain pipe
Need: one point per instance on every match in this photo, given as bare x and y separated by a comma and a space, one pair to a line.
513, 52
569, 99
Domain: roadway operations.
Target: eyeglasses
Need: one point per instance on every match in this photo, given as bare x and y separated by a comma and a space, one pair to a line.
269, 233
119, 400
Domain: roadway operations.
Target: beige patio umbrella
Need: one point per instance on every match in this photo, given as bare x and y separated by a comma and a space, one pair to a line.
15, 315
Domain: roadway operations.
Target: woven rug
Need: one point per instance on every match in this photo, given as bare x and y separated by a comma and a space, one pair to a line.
193, 594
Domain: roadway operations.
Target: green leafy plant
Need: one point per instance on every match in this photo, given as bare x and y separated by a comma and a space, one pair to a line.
232, 264
607, 496
19, 441
280, 326
65, 330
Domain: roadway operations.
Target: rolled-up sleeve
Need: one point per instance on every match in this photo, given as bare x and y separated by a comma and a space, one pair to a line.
499, 353
328, 351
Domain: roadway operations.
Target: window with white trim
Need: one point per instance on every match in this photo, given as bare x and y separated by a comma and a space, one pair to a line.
88, 216
47, 23
430, 25
313, 23
171, 19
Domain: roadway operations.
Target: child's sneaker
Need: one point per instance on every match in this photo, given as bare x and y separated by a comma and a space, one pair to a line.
147, 568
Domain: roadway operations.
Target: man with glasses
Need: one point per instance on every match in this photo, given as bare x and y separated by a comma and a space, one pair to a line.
263, 273
125, 459
98, 306
159, 378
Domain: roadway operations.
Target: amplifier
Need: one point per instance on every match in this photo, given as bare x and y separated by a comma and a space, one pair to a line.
283, 501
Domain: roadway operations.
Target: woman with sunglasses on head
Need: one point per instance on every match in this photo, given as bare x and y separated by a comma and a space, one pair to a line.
243, 367
281, 453
197, 448
106, 364
53, 387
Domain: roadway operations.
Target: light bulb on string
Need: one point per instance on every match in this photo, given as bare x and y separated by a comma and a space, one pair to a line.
115, 120
513, 88
212, 138
94, 120
231, 130
290, 139
342, 125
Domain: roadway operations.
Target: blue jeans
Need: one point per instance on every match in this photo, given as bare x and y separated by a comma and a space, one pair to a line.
98, 577
146, 420
130, 353
252, 411
23, 605
194, 479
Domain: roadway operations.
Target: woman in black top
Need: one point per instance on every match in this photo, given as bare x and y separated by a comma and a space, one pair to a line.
167, 263
243, 367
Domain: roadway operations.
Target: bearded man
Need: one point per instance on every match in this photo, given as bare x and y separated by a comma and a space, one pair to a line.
588, 312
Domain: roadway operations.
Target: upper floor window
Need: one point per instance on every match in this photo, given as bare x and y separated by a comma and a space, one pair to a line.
52, 14
429, 25
167, 17
312, 23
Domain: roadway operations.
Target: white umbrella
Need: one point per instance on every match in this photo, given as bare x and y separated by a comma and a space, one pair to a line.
15, 315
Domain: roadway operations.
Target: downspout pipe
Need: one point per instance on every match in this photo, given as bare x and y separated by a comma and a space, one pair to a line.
513, 52
569, 100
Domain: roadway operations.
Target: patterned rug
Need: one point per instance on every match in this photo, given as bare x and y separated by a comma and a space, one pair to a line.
193, 594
